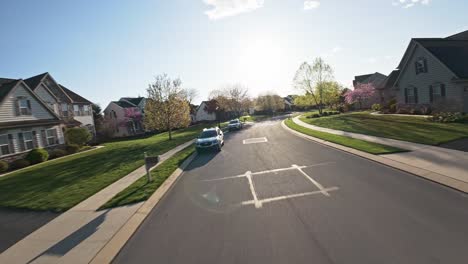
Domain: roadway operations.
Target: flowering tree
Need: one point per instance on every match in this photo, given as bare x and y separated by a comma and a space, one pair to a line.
132, 115
361, 93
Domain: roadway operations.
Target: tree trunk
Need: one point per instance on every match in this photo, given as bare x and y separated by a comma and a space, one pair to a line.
170, 133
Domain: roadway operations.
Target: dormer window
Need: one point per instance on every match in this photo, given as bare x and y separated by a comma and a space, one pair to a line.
421, 66
24, 106
64, 109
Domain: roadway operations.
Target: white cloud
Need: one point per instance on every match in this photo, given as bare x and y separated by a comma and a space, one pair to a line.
410, 3
225, 8
311, 4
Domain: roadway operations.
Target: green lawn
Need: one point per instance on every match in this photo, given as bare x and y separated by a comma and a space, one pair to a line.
407, 128
60, 184
141, 190
358, 144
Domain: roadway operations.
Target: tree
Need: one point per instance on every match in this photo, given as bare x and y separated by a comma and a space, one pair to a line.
190, 94
361, 93
232, 98
331, 94
269, 103
77, 136
304, 101
313, 78
97, 116
167, 107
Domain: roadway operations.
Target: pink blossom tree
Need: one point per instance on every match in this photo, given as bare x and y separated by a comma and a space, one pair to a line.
361, 93
131, 116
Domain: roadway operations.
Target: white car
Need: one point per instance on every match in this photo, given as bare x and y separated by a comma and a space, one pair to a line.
210, 138
234, 124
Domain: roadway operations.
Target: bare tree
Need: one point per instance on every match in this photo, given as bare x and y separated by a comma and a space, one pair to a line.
232, 98
313, 79
269, 103
167, 106
190, 94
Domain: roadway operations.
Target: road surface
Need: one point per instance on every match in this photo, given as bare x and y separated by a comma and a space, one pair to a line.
280, 198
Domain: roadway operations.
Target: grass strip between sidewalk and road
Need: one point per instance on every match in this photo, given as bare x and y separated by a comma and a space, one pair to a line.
141, 190
362, 145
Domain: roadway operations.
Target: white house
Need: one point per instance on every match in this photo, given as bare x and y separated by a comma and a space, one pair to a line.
202, 113
26, 121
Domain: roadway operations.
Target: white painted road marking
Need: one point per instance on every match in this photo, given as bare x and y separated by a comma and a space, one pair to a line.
284, 197
255, 140
312, 180
252, 189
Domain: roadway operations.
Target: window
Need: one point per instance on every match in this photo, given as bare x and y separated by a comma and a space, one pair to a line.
5, 145
24, 106
28, 140
421, 66
64, 109
411, 95
86, 110
76, 110
51, 136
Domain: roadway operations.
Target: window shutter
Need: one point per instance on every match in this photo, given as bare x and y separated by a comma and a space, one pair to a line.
29, 106
11, 145
431, 94
442, 90
55, 135
44, 138
17, 108
35, 143
415, 95
416, 68
406, 95
21, 142
425, 66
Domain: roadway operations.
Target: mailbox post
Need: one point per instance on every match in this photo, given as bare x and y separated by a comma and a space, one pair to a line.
150, 161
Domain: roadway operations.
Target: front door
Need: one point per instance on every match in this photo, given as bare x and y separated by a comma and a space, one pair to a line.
465, 97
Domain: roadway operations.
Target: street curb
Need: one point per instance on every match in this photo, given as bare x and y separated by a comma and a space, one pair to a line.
429, 175
118, 241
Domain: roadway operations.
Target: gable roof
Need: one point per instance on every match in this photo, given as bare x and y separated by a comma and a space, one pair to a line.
34, 81
460, 36
389, 82
124, 104
376, 78
6, 85
134, 100
76, 98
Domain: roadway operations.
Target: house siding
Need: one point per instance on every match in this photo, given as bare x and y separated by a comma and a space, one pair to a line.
45, 95
203, 115
436, 73
8, 108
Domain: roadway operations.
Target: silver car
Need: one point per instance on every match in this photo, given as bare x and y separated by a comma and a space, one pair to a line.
234, 124
210, 138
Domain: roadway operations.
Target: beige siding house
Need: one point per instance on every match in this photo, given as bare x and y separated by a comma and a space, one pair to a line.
124, 118
434, 74
203, 115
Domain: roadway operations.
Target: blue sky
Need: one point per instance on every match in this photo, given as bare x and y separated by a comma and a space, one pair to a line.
107, 49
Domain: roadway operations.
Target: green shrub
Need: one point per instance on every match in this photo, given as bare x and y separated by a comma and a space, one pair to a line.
3, 166
57, 153
324, 113
77, 136
376, 107
447, 117
37, 156
72, 148
19, 164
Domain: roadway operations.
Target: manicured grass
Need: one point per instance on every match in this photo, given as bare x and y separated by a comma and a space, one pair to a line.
60, 184
369, 147
141, 190
407, 128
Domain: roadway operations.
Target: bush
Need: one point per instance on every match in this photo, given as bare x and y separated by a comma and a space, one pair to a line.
376, 107
37, 156
445, 117
77, 136
72, 148
3, 166
313, 116
20, 163
57, 153
324, 113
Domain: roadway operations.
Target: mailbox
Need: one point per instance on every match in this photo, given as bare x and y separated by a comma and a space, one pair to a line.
150, 161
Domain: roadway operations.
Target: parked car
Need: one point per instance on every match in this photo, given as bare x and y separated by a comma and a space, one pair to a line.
210, 138
234, 124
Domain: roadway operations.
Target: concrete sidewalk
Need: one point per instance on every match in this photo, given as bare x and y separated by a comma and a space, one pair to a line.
446, 162
77, 235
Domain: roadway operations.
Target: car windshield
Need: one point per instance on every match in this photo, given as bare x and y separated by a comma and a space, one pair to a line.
233, 121
208, 134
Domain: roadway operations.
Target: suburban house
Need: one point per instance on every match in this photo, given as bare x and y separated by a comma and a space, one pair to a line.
433, 73
377, 80
203, 113
124, 118
385, 89
35, 112
289, 102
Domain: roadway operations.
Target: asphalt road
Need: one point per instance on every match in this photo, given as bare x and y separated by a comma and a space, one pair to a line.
340, 208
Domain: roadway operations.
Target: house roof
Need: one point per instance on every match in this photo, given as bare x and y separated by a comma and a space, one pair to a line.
460, 36
76, 98
453, 53
389, 82
124, 104
134, 100
375, 78
6, 85
34, 81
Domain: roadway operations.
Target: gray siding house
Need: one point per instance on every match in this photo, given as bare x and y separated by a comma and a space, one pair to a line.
433, 73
